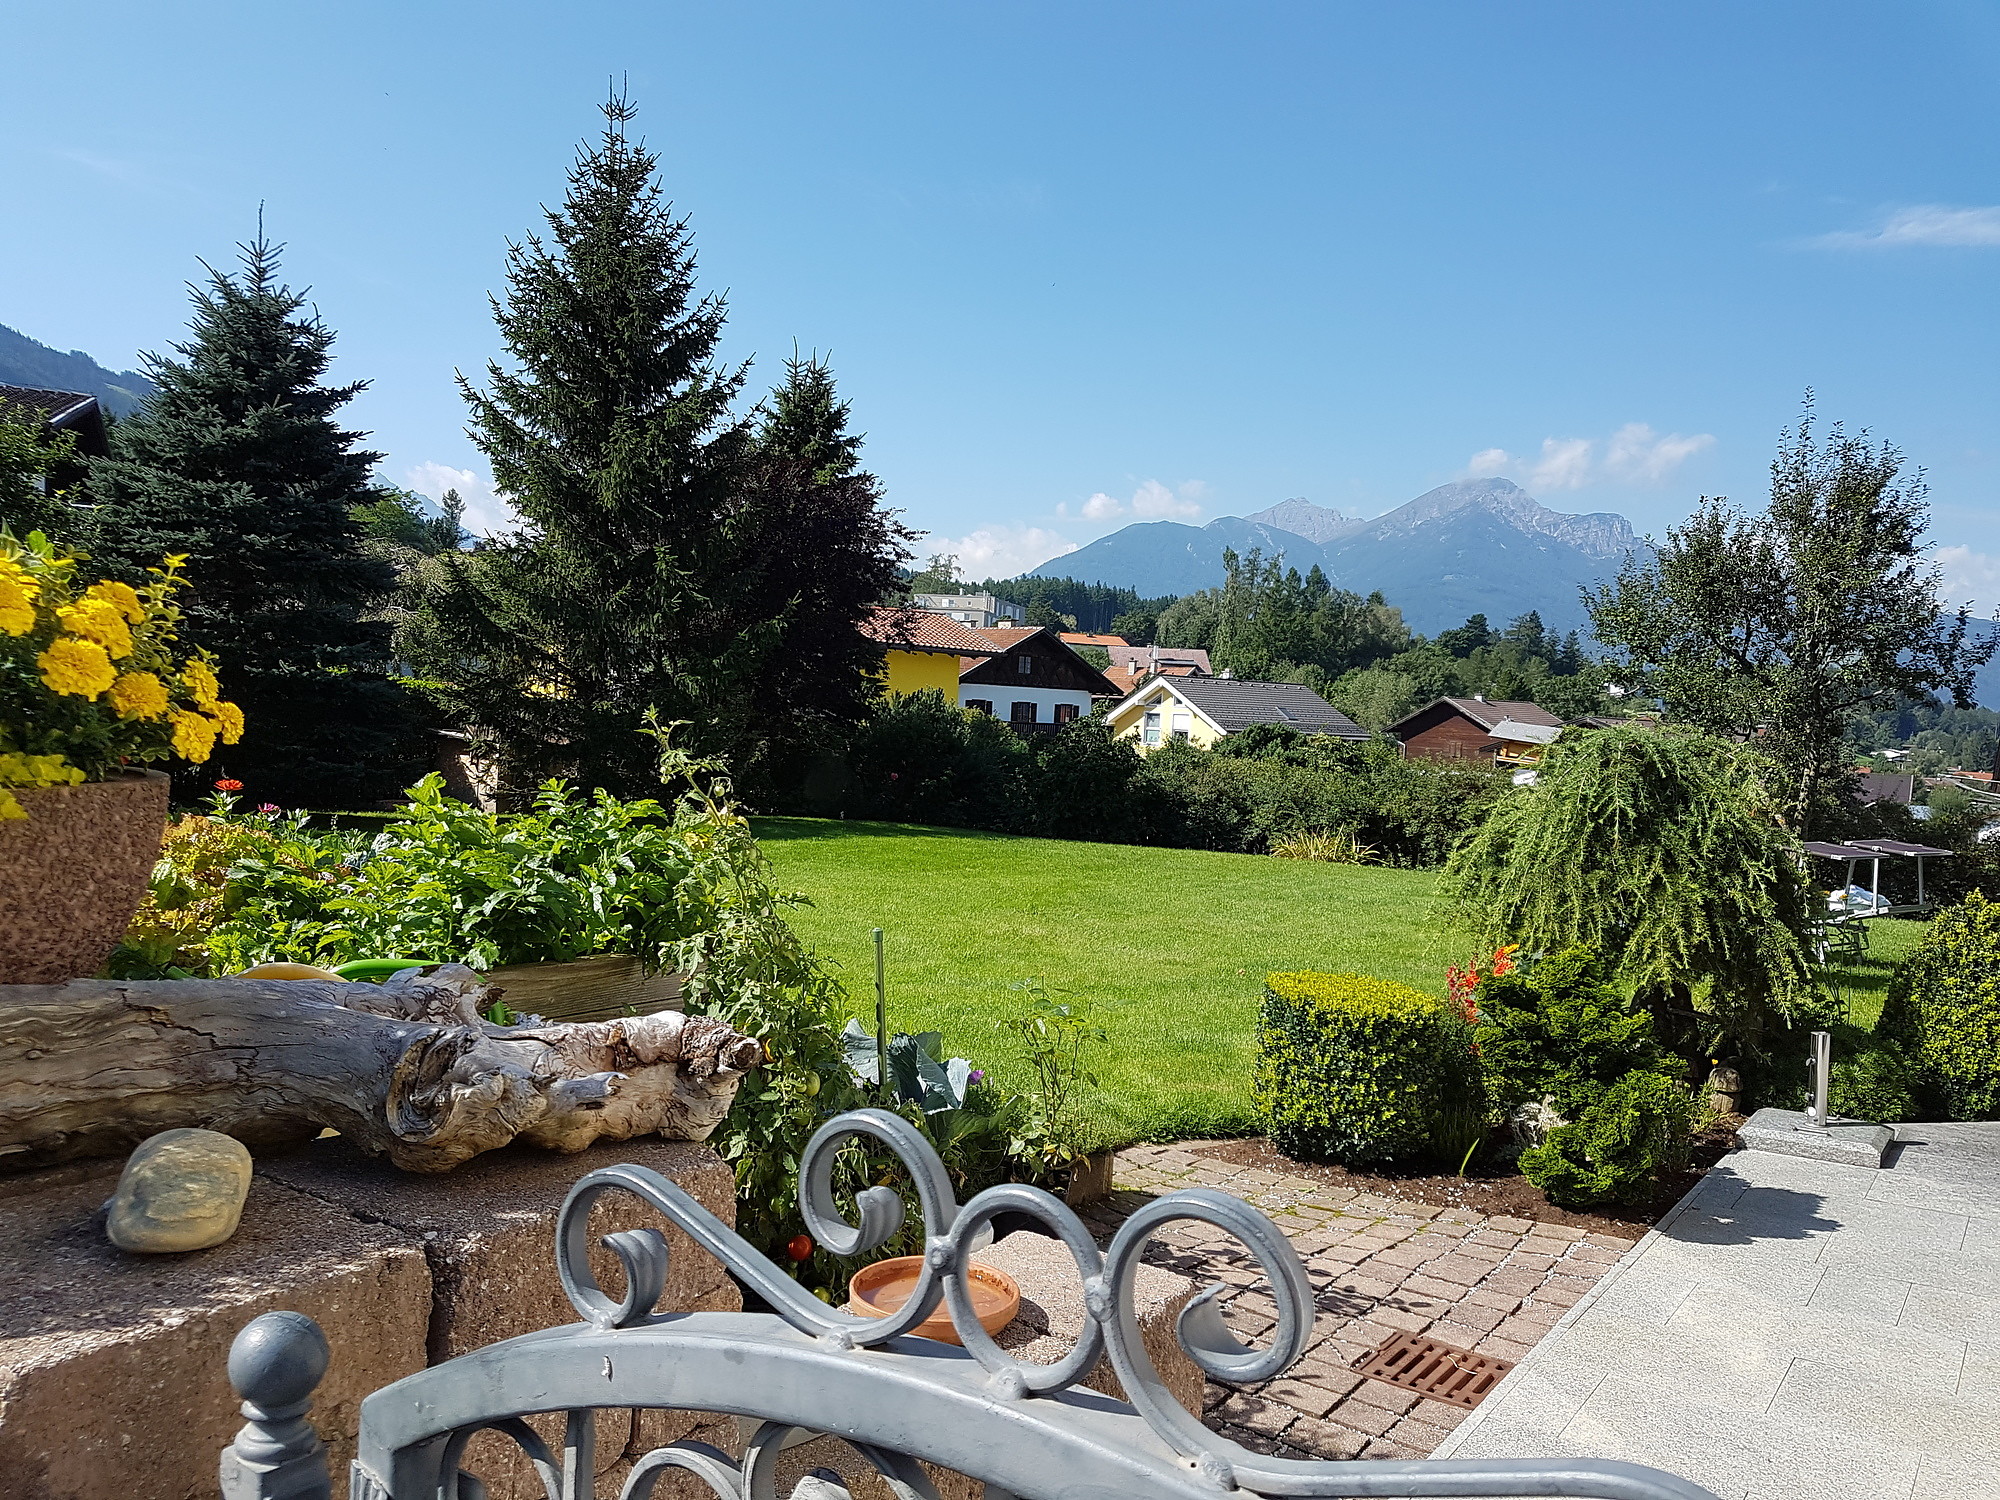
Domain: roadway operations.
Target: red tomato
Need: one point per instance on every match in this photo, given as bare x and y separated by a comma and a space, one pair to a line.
799, 1246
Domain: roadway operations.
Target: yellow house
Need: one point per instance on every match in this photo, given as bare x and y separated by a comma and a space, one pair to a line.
923, 650
1202, 710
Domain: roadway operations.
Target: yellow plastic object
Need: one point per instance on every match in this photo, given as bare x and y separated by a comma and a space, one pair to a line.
288, 971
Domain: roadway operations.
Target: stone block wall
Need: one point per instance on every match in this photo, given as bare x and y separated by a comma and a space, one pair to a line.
112, 1383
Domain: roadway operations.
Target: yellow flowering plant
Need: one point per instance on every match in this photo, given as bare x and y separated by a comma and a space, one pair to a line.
92, 675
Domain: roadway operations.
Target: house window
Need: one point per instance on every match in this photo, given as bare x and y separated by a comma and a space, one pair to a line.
1065, 712
1022, 713
1152, 730
980, 706
1024, 664
1182, 724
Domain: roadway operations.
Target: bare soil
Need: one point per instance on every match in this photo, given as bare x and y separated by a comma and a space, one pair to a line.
1492, 1190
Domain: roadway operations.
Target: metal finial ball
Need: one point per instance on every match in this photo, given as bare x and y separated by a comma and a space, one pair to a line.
278, 1359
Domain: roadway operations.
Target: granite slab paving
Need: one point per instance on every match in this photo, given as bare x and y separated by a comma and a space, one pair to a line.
1793, 1328
1494, 1285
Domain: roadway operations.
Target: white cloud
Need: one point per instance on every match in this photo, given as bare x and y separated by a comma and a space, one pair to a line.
1151, 501
1925, 224
1634, 454
1000, 550
1970, 578
487, 513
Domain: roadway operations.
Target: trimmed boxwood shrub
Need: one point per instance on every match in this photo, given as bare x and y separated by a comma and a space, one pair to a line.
1361, 1071
1943, 1011
1616, 1152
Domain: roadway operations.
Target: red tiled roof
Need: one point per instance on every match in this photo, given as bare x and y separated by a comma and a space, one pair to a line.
1085, 638
924, 630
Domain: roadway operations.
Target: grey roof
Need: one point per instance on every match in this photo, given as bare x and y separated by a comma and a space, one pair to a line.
1487, 712
1235, 705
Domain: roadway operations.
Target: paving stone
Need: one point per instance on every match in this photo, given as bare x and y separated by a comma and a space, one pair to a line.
1484, 1295
1256, 1442
1462, 1335
1380, 1394
1503, 1221
1422, 1285
1307, 1396
1481, 1319
1386, 1448
1327, 1440
1396, 1317
1363, 1418
1255, 1413
1419, 1437
1441, 1414
1458, 1269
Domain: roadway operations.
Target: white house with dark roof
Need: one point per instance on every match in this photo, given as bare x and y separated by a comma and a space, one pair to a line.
1203, 710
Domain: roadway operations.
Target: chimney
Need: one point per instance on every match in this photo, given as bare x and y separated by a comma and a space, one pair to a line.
1478, 697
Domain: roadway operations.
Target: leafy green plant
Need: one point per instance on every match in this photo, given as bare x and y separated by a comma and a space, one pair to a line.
1364, 1071
1943, 1010
1055, 1035
1617, 1151
1324, 846
1555, 1028
1876, 1084
573, 876
919, 1072
1663, 852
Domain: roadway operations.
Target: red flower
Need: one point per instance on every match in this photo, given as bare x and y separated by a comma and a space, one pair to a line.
227, 784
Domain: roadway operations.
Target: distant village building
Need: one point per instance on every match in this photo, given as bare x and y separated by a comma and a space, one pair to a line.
982, 611
1132, 665
73, 412
1024, 675
1511, 732
1203, 710
1031, 679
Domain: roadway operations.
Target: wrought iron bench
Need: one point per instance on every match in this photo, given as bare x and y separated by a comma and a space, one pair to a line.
1025, 1430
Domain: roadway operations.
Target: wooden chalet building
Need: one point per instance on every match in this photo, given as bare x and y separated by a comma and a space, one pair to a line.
1510, 733
1032, 679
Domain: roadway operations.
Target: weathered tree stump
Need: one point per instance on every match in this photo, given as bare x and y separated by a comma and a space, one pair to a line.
408, 1070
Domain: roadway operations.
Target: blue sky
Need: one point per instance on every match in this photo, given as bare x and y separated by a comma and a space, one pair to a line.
1078, 263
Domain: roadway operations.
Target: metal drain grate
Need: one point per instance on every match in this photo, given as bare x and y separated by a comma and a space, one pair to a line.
1431, 1369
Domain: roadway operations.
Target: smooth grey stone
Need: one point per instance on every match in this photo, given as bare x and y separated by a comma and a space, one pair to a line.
180, 1190
1785, 1131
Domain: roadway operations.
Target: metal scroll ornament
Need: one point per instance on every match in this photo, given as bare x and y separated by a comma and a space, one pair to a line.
1020, 1427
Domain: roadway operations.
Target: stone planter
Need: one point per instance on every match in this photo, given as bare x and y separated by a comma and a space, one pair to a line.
600, 988
74, 871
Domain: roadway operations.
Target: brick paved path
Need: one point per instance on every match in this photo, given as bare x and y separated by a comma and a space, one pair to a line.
1377, 1265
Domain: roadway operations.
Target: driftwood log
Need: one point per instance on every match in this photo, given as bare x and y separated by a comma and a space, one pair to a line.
408, 1070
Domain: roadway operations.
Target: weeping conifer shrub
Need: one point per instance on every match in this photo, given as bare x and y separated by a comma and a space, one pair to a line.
1664, 852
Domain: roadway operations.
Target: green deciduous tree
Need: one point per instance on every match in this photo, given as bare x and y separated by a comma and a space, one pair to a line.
29, 456
1788, 625
239, 463
1267, 621
1664, 852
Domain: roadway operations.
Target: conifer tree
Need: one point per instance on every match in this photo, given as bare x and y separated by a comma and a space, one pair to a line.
238, 462
813, 550
611, 431
672, 555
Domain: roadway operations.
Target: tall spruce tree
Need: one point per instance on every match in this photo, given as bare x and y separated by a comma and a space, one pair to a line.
671, 556
238, 463
612, 433
813, 549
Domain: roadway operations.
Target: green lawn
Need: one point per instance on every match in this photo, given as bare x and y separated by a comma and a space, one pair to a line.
1171, 945
1864, 984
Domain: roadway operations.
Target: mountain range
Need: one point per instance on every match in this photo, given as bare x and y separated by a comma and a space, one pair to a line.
1478, 546
24, 361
